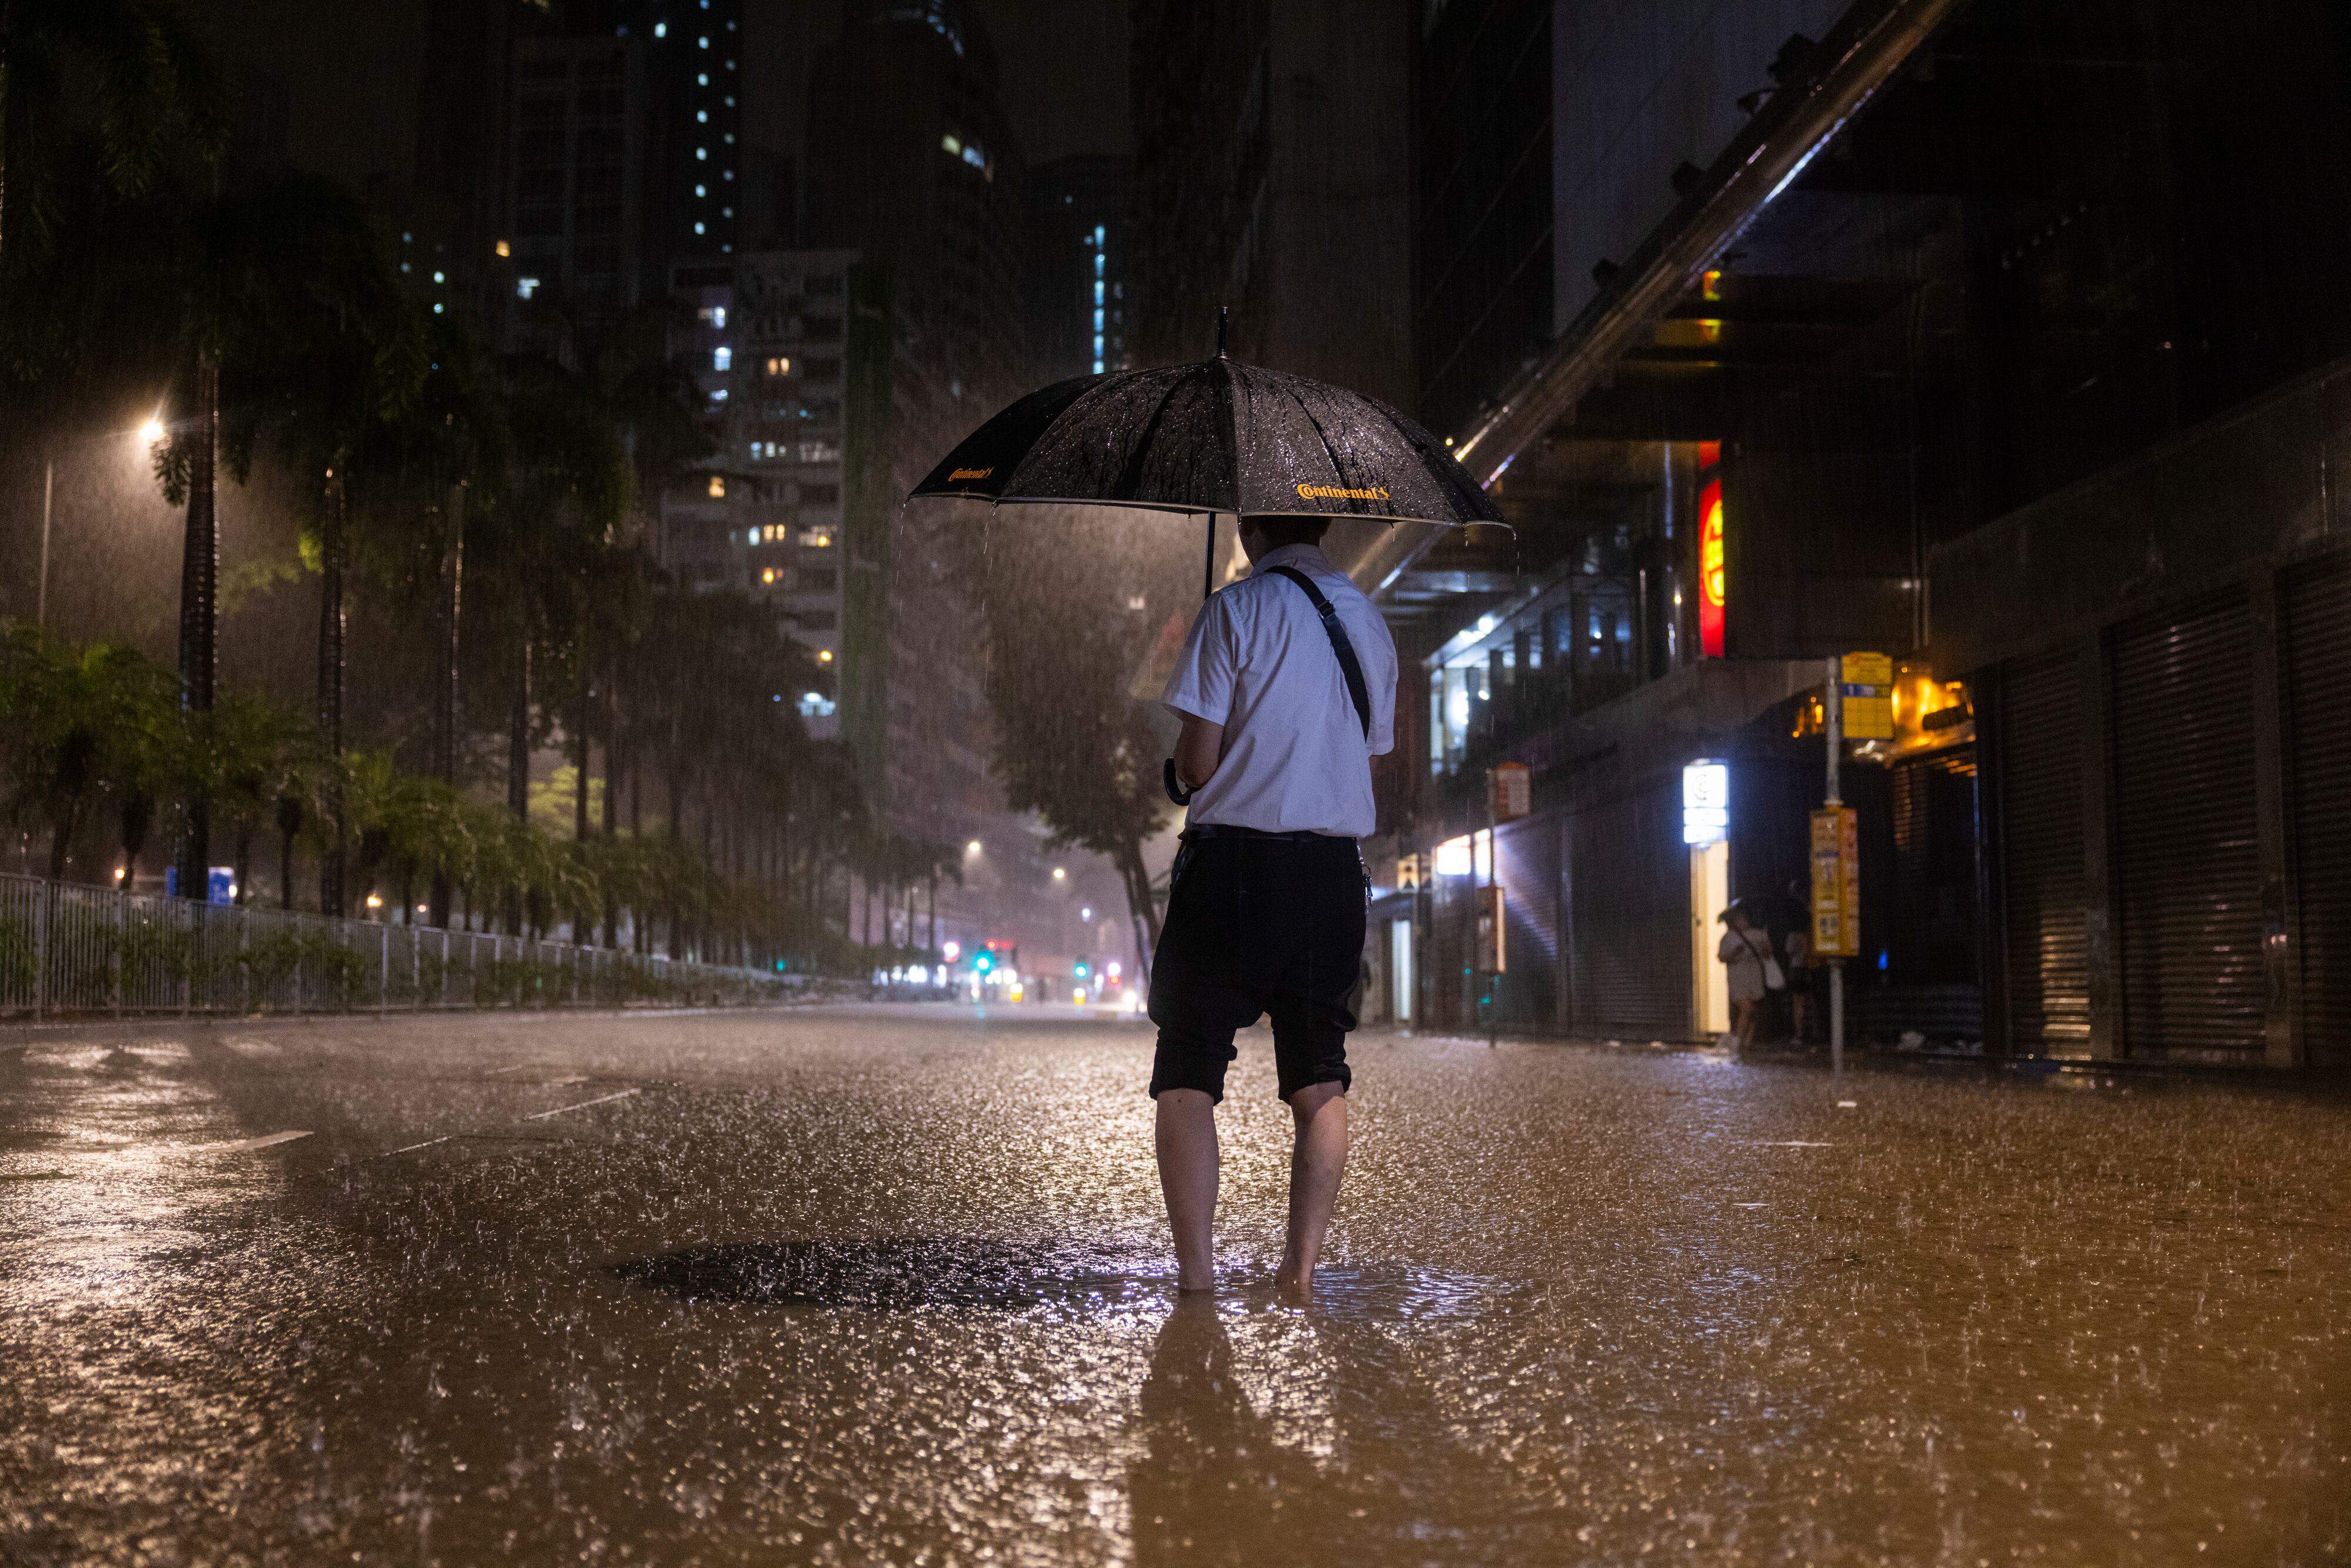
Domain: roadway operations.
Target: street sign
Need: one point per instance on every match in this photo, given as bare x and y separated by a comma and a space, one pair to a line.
1865, 692
1836, 884
1513, 788
1408, 873
1492, 956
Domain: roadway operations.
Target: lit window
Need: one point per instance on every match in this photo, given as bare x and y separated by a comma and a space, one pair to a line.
702, 117
722, 358
974, 156
1453, 857
701, 43
769, 575
950, 144
1098, 231
780, 366
1098, 265
702, 80
1098, 343
824, 656
716, 315
717, 486
660, 29
404, 267
505, 249
440, 277
718, 396
755, 536
436, 308
1098, 321
697, 229
702, 152
725, 212
726, 174
1098, 367
729, 102
1098, 293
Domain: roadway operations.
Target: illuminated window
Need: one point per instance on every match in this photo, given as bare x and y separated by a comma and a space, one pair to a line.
1098, 321
701, 43
950, 144
697, 229
526, 287
780, 366
505, 249
1453, 857
1098, 293
660, 29
716, 315
702, 152
701, 190
722, 358
767, 576
818, 539
718, 487
755, 536
702, 80
1099, 231
974, 156
702, 117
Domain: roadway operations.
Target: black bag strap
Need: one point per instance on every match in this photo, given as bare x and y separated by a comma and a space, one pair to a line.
1348, 664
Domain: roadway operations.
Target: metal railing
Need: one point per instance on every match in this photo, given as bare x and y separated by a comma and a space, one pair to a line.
70, 949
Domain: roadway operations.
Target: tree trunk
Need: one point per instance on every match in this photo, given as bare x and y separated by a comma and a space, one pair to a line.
1141, 907
445, 709
518, 768
611, 812
332, 631
200, 605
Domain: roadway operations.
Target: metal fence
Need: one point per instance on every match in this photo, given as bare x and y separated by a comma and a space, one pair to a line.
66, 948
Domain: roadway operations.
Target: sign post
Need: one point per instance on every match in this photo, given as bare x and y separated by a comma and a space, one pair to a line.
1832, 716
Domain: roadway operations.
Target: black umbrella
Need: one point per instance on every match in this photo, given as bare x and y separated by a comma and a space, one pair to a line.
1218, 436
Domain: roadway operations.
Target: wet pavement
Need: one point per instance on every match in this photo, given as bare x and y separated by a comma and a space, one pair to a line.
868, 1286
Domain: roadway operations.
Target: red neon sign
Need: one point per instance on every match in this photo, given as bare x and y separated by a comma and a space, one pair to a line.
1709, 569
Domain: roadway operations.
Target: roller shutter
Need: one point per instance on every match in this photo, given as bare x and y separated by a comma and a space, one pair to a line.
2047, 951
1526, 863
1628, 891
2186, 850
2315, 635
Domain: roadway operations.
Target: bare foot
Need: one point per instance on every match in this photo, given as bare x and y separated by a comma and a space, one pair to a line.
1295, 1286
1190, 1283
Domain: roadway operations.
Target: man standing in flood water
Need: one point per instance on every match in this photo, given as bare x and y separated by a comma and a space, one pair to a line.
1286, 690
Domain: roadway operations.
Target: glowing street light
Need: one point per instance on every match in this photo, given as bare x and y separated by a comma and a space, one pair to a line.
152, 431
1060, 875
972, 848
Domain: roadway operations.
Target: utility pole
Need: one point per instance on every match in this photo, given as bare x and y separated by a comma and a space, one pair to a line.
1832, 711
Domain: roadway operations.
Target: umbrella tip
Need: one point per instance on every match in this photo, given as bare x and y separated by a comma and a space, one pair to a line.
1224, 322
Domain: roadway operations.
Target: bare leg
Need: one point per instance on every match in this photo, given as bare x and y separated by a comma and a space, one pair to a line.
1187, 1137
1318, 1158
1742, 1022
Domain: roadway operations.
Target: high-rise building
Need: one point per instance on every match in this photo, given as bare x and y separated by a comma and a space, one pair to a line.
1080, 262
625, 153
1271, 176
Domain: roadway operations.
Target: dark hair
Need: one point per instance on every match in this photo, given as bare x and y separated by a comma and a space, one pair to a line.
1288, 529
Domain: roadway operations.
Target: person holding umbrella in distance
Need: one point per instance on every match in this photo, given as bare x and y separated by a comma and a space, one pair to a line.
1286, 689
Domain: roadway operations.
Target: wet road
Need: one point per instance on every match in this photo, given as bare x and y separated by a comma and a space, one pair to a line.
888, 1286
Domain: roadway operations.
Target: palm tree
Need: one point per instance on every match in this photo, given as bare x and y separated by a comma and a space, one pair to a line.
156, 73
82, 723
295, 329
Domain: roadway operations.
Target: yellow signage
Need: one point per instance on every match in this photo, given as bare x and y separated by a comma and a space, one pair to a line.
1837, 882
1866, 691
1339, 493
961, 474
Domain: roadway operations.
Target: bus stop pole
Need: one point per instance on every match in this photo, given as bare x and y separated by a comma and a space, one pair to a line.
1832, 711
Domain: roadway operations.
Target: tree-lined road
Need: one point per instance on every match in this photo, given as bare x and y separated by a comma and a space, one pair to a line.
889, 1285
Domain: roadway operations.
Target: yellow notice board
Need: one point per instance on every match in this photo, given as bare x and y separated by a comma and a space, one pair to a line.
1836, 884
1866, 691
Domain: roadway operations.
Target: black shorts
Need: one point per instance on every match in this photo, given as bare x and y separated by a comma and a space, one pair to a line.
1259, 926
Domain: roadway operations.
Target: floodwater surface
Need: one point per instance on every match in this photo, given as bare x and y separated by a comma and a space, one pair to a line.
890, 1286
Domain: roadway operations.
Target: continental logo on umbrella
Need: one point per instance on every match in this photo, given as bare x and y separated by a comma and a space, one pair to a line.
961, 474
1339, 493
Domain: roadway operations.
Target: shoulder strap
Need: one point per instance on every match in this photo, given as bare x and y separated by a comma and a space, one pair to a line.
1348, 664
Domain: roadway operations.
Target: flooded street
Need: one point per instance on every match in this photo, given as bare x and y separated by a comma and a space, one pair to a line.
866, 1286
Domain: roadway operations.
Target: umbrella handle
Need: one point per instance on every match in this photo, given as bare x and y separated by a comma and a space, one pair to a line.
1176, 790
1208, 565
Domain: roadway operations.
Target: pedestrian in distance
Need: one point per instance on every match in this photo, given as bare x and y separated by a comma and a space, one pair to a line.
1286, 688
1752, 971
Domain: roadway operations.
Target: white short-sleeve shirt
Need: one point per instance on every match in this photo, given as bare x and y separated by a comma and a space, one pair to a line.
1258, 662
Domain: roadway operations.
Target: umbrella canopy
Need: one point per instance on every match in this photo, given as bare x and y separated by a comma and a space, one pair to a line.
1219, 436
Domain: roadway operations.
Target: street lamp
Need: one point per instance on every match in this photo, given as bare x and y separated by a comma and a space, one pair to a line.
1060, 875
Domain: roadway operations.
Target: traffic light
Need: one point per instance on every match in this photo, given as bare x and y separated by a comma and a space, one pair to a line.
984, 961
1079, 969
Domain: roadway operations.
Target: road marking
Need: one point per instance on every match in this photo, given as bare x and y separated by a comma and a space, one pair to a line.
518, 1067
411, 1148
1747, 1205
1791, 1144
602, 1100
244, 1144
